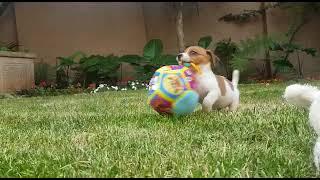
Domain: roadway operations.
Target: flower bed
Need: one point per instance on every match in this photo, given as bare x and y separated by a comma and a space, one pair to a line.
47, 89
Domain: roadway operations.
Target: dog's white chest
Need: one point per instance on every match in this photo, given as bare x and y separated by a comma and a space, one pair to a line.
206, 82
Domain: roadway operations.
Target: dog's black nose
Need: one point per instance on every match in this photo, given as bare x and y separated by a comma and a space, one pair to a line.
179, 55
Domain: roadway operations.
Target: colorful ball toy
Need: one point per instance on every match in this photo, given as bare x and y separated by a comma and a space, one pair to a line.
171, 90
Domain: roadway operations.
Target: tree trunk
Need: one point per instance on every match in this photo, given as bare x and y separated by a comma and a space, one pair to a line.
265, 33
299, 66
179, 25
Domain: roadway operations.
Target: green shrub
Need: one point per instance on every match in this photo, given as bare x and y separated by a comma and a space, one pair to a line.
152, 59
97, 68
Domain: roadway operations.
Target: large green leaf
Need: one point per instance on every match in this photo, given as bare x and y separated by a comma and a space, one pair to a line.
153, 49
132, 59
205, 41
167, 59
89, 62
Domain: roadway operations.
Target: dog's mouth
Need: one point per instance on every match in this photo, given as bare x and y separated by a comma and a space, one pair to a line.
191, 65
184, 63
187, 62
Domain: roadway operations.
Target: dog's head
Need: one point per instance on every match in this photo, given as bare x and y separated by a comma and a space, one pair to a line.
198, 56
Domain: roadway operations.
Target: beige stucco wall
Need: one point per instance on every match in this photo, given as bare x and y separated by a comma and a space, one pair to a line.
161, 22
53, 29
60, 28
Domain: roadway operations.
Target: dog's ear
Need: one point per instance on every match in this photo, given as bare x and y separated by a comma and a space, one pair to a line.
213, 58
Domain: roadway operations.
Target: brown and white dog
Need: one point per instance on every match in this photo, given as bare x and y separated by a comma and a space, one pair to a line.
215, 91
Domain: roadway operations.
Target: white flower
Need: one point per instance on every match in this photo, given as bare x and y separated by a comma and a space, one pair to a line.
101, 86
132, 84
114, 87
123, 89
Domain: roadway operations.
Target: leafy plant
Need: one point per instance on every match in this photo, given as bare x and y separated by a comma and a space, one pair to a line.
251, 47
152, 59
97, 68
153, 49
299, 11
282, 62
246, 15
225, 49
65, 66
205, 41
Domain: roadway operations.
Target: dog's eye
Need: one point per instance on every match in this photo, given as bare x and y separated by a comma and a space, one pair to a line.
193, 53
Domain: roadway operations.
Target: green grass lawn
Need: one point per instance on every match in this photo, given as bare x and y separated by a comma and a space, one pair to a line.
116, 134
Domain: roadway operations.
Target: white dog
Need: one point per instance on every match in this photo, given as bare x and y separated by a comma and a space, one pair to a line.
307, 96
214, 91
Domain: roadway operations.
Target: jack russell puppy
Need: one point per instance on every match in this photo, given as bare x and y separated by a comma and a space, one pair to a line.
215, 92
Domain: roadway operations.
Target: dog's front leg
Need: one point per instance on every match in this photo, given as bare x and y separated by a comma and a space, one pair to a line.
208, 101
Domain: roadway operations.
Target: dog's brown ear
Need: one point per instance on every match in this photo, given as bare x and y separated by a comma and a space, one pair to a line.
212, 58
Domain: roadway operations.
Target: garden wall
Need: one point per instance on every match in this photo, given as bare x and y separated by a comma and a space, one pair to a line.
16, 71
61, 28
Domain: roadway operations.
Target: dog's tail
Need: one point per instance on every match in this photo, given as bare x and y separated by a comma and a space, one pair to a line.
235, 78
301, 95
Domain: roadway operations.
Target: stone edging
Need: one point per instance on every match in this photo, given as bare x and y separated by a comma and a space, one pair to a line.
17, 54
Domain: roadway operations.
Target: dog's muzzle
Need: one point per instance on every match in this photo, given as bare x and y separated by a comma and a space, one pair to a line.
183, 57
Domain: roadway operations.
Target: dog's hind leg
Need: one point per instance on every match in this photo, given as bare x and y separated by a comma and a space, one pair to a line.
235, 103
